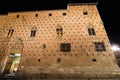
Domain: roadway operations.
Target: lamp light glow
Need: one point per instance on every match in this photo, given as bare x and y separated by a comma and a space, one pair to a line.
115, 48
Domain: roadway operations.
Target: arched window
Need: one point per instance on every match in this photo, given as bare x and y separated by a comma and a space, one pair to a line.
91, 30
59, 31
10, 33
33, 31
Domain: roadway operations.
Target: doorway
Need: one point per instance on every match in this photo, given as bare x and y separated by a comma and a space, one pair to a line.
12, 64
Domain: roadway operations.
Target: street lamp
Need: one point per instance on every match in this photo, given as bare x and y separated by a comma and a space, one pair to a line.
115, 47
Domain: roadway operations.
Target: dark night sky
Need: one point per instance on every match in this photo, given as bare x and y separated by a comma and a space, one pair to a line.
108, 9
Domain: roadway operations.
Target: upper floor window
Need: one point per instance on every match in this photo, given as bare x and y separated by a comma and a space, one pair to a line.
59, 31
10, 33
50, 14
18, 16
85, 12
91, 31
64, 14
36, 15
33, 32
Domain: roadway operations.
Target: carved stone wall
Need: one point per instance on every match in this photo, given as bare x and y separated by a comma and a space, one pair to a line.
59, 41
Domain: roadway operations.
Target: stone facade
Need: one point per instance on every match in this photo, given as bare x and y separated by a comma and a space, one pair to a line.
56, 44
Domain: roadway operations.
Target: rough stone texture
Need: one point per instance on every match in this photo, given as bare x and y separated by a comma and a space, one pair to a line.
41, 56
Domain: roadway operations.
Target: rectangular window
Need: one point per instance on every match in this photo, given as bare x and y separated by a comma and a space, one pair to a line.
50, 14
36, 15
39, 60
17, 16
33, 32
65, 47
10, 33
100, 46
85, 13
91, 31
94, 60
64, 14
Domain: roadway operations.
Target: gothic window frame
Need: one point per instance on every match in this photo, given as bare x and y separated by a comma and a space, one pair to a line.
10, 32
91, 31
33, 31
59, 31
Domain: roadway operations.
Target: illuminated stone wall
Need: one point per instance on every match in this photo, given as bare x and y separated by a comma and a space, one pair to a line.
70, 38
